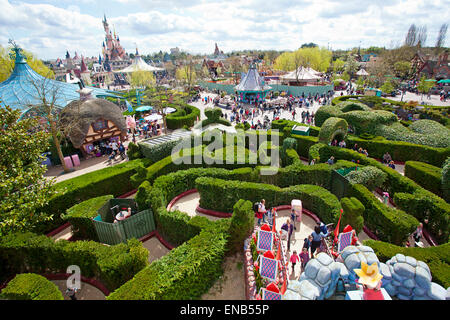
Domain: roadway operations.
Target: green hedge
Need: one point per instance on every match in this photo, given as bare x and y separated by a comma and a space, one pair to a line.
426, 175
437, 258
242, 225
389, 224
280, 124
30, 286
158, 152
314, 198
177, 120
353, 214
177, 227
133, 151
401, 151
112, 180
184, 274
446, 179
80, 217
304, 143
408, 195
112, 265
331, 128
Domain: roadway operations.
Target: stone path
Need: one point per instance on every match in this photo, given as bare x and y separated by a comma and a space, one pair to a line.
87, 292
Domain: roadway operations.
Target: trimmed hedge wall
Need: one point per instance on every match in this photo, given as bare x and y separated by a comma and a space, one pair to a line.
401, 151
186, 273
280, 124
314, 198
407, 195
426, 175
178, 120
30, 286
353, 214
80, 217
112, 180
437, 258
331, 128
389, 224
112, 265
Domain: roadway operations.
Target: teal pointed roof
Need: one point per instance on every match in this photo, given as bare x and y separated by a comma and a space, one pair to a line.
252, 82
25, 88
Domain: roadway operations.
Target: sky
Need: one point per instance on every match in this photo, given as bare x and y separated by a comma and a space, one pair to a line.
49, 28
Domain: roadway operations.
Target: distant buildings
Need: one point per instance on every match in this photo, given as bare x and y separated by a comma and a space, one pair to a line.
431, 66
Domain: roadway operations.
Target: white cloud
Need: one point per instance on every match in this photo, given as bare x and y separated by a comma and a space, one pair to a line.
51, 29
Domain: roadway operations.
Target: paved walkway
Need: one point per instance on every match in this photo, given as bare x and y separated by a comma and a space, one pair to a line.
87, 292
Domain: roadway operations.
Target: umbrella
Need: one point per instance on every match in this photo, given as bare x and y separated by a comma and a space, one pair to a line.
144, 108
153, 117
169, 110
444, 81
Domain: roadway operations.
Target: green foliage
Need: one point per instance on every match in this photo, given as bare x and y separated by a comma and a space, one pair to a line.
186, 273
158, 152
242, 224
426, 175
280, 124
23, 188
333, 128
353, 214
400, 151
304, 143
176, 121
388, 224
437, 258
314, 198
80, 217
134, 151
30, 286
112, 180
446, 180
369, 176
112, 265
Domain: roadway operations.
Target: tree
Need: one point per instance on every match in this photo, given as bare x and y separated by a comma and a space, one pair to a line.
402, 69
309, 45
387, 87
141, 79
411, 36
338, 65
23, 188
316, 58
7, 63
187, 74
440, 42
421, 36
424, 86
351, 67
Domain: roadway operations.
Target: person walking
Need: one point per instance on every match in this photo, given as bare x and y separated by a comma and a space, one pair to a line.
304, 258
294, 259
317, 236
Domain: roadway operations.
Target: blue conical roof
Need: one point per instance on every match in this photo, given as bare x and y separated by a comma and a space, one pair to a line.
252, 81
25, 88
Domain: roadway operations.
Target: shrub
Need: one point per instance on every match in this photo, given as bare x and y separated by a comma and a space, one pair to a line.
446, 180
388, 224
304, 143
242, 224
353, 214
112, 265
30, 286
332, 128
426, 175
314, 198
178, 120
280, 124
112, 180
437, 258
401, 151
369, 176
80, 217
157, 152
134, 151
187, 272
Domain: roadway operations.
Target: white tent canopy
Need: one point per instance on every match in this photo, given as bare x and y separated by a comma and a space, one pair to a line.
302, 73
139, 64
362, 72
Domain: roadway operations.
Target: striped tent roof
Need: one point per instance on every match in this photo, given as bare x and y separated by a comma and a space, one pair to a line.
252, 81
